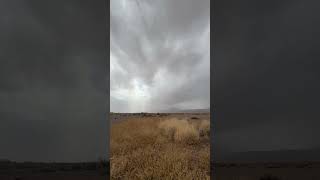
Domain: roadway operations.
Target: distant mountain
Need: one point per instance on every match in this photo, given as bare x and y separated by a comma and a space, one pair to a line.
177, 110
269, 156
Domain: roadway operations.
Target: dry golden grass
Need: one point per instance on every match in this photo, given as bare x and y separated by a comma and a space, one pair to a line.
179, 130
154, 148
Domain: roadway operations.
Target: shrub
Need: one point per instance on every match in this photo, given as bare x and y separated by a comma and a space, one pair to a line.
179, 130
204, 128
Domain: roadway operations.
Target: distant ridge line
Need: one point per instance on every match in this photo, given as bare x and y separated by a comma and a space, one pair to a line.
207, 110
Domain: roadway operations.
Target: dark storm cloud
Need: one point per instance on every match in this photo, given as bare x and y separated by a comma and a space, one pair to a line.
53, 80
266, 74
159, 54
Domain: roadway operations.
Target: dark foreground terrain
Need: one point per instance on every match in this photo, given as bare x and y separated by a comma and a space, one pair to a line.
300, 164
51, 171
266, 171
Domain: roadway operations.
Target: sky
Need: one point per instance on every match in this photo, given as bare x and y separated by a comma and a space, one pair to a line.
53, 77
159, 55
266, 81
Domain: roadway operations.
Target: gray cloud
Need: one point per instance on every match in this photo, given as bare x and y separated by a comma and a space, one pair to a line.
160, 55
266, 83
53, 80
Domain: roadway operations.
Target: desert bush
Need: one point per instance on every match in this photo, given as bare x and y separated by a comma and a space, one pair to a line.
204, 128
179, 130
186, 132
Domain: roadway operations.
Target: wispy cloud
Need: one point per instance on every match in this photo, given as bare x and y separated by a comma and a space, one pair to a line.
160, 55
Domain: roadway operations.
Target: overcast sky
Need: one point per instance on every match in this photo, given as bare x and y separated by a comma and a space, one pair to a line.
266, 61
159, 55
53, 89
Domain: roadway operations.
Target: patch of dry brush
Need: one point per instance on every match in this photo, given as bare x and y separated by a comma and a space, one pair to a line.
151, 148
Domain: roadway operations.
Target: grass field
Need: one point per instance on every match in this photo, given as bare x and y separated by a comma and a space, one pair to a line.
160, 147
